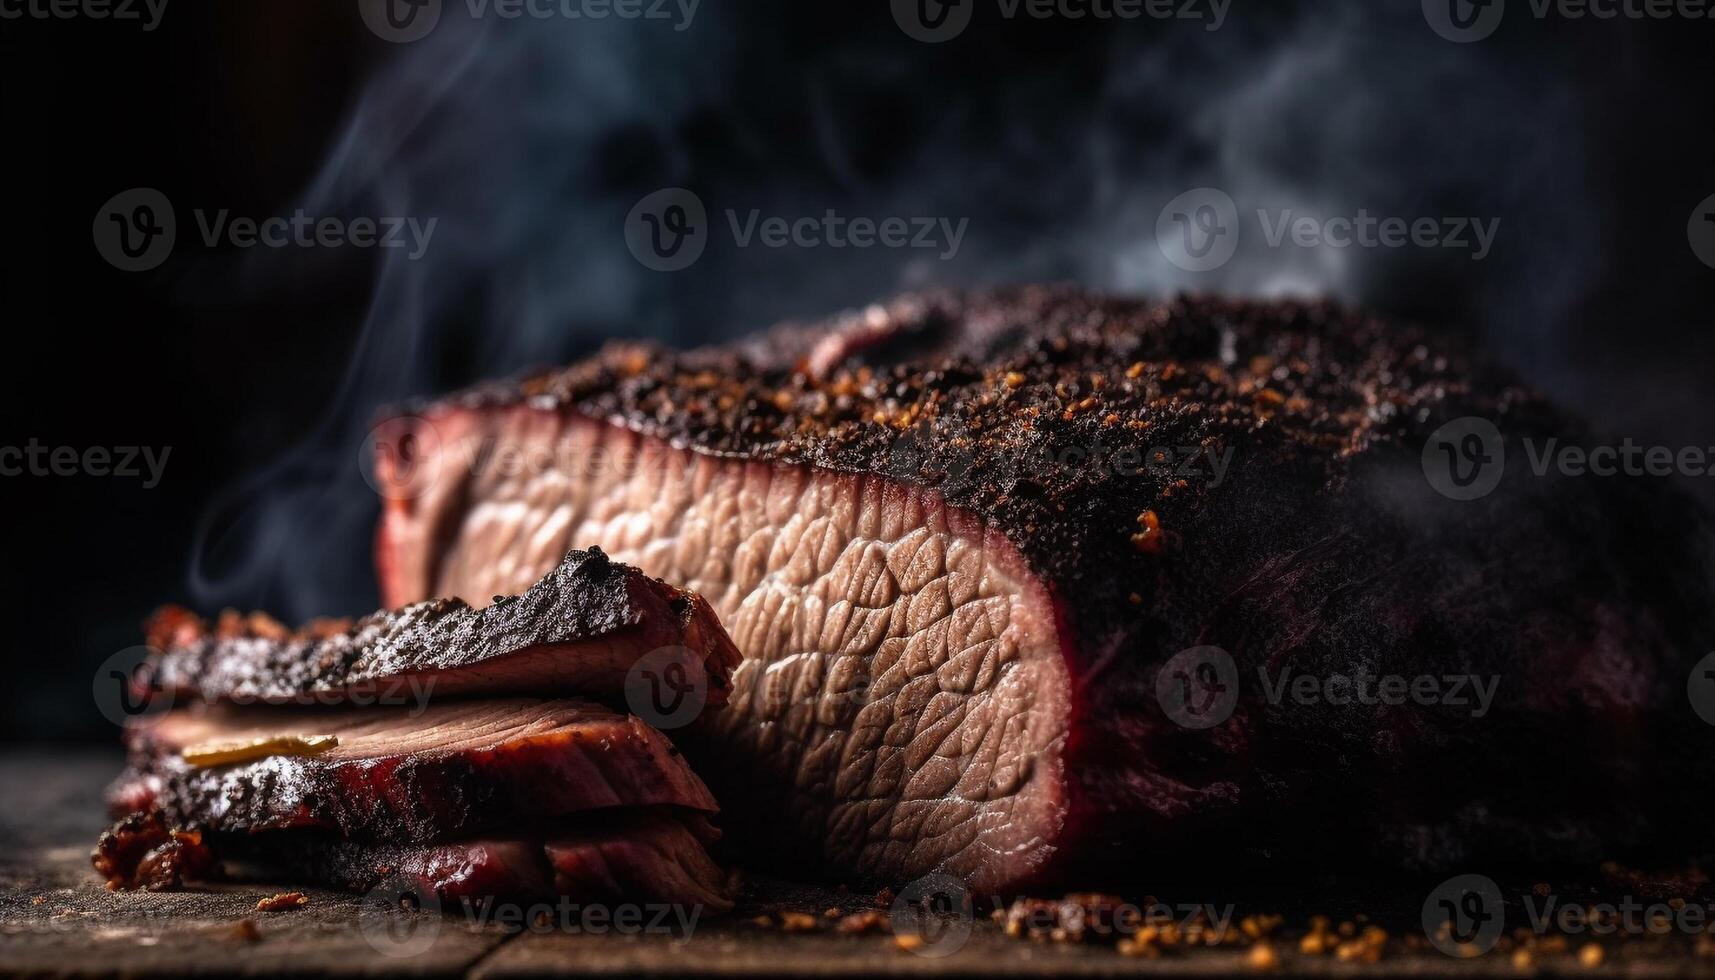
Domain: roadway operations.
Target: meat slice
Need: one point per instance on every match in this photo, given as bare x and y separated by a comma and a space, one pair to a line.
639, 858
453, 770
958, 536
579, 630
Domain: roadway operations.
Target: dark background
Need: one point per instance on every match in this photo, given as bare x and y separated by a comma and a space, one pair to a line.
1060, 140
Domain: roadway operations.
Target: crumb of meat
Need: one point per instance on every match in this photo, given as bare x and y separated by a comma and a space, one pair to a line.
141, 851
1262, 957
797, 921
1078, 917
282, 902
246, 930
884, 898
863, 923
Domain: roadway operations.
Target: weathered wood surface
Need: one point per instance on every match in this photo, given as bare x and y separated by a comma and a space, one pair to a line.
57, 919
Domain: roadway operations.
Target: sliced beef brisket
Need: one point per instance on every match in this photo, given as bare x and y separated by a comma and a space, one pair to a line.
455, 769
958, 536
577, 631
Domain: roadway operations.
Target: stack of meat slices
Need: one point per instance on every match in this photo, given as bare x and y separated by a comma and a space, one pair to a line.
476, 753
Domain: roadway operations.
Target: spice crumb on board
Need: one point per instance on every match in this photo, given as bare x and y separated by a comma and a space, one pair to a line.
282, 902
861, 923
1263, 957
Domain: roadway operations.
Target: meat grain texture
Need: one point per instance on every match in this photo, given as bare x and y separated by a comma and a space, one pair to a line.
957, 537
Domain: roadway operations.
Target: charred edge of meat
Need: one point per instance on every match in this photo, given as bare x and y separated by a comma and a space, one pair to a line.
587, 599
459, 768
142, 851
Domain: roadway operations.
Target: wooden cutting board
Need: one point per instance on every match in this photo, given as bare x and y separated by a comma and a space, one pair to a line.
56, 918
